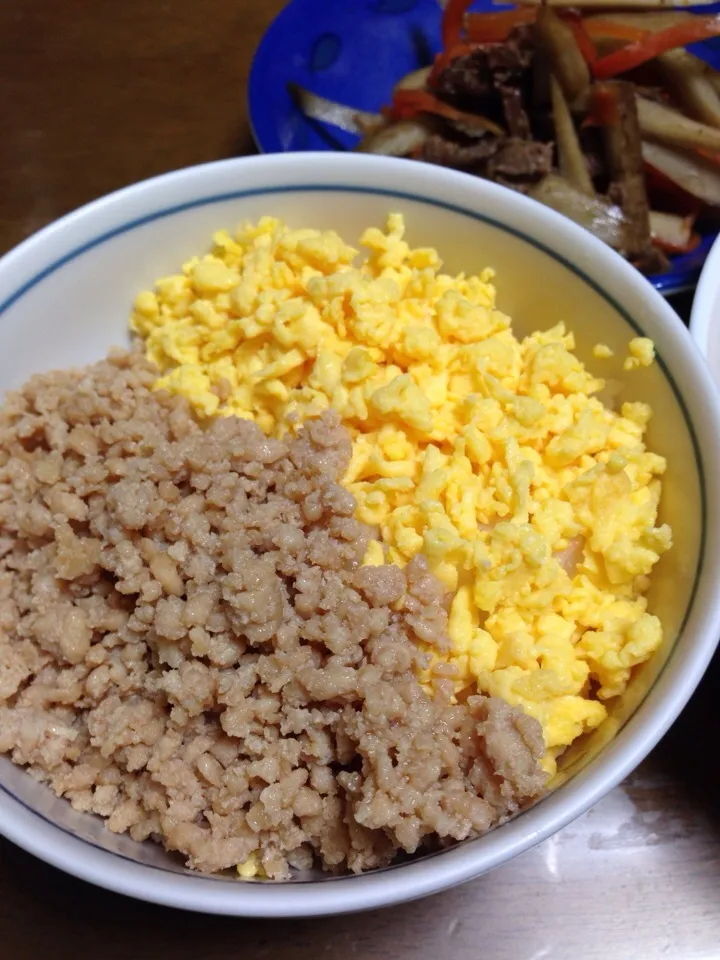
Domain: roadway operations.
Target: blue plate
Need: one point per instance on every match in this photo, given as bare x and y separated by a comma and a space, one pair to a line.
354, 51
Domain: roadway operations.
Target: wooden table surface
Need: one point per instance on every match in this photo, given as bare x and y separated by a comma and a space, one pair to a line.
96, 94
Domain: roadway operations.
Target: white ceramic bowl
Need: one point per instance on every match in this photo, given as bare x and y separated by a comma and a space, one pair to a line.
65, 296
705, 316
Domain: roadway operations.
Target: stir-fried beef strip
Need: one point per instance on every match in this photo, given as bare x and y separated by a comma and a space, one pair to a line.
472, 157
520, 163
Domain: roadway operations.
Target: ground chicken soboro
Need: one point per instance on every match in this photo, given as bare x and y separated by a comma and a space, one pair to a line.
191, 649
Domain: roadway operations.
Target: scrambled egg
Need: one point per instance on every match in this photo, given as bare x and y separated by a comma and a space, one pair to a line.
534, 503
251, 868
641, 353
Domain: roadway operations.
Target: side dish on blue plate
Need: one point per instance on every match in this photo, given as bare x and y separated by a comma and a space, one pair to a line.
605, 116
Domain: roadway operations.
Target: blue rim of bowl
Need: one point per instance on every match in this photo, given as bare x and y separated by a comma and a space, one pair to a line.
686, 268
400, 195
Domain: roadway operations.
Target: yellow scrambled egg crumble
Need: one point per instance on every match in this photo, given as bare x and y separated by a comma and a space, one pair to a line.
534, 503
641, 353
251, 868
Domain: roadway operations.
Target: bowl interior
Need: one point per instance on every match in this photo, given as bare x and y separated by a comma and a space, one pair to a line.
68, 301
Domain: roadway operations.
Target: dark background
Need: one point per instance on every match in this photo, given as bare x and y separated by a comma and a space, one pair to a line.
94, 95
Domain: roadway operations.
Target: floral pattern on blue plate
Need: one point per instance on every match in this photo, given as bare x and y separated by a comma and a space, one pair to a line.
354, 51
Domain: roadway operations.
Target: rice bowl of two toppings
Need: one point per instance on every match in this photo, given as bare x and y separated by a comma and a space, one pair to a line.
474, 703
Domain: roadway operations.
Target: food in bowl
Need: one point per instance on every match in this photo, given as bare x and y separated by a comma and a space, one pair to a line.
533, 502
605, 117
220, 637
193, 650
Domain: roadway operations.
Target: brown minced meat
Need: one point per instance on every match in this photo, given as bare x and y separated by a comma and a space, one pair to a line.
190, 648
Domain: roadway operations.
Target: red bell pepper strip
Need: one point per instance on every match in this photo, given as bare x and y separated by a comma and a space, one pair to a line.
651, 46
452, 22
582, 38
409, 103
497, 27
611, 30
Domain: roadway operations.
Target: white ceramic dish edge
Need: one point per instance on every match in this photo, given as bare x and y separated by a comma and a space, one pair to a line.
641, 733
705, 314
